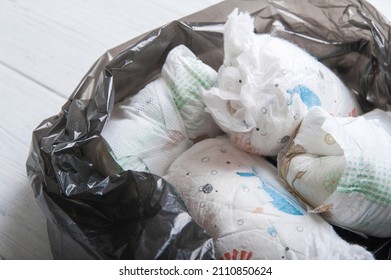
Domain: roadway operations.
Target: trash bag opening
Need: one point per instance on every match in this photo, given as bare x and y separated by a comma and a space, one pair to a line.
73, 191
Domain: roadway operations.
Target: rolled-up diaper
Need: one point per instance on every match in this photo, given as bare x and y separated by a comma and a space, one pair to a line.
145, 132
237, 198
187, 77
342, 167
267, 85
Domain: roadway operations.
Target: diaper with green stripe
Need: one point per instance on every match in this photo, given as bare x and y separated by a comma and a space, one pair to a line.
342, 167
188, 77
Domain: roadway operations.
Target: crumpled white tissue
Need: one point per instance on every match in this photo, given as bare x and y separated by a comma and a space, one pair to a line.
267, 85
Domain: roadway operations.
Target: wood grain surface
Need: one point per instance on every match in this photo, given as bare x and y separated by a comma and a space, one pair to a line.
46, 47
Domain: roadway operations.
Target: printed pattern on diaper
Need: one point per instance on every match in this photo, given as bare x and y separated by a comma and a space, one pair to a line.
354, 113
368, 177
331, 181
329, 139
243, 141
282, 200
235, 255
272, 231
188, 85
307, 96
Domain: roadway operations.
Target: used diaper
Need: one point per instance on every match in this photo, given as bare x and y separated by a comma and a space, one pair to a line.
237, 198
342, 167
187, 77
145, 132
267, 85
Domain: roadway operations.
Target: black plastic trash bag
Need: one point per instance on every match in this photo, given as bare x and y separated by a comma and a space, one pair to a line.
95, 210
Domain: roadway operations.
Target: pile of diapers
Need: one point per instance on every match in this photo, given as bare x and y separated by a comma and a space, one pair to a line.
269, 98
237, 198
147, 131
267, 85
341, 167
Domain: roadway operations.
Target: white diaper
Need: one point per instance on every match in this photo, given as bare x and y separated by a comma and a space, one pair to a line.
342, 168
187, 77
237, 198
145, 132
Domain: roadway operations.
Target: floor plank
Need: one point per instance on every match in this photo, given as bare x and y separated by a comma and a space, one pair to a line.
56, 43
45, 50
22, 223
383, 7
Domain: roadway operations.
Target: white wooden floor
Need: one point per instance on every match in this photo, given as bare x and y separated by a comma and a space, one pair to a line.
46, 47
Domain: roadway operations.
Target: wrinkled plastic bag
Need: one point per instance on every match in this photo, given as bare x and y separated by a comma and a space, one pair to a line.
95, 211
